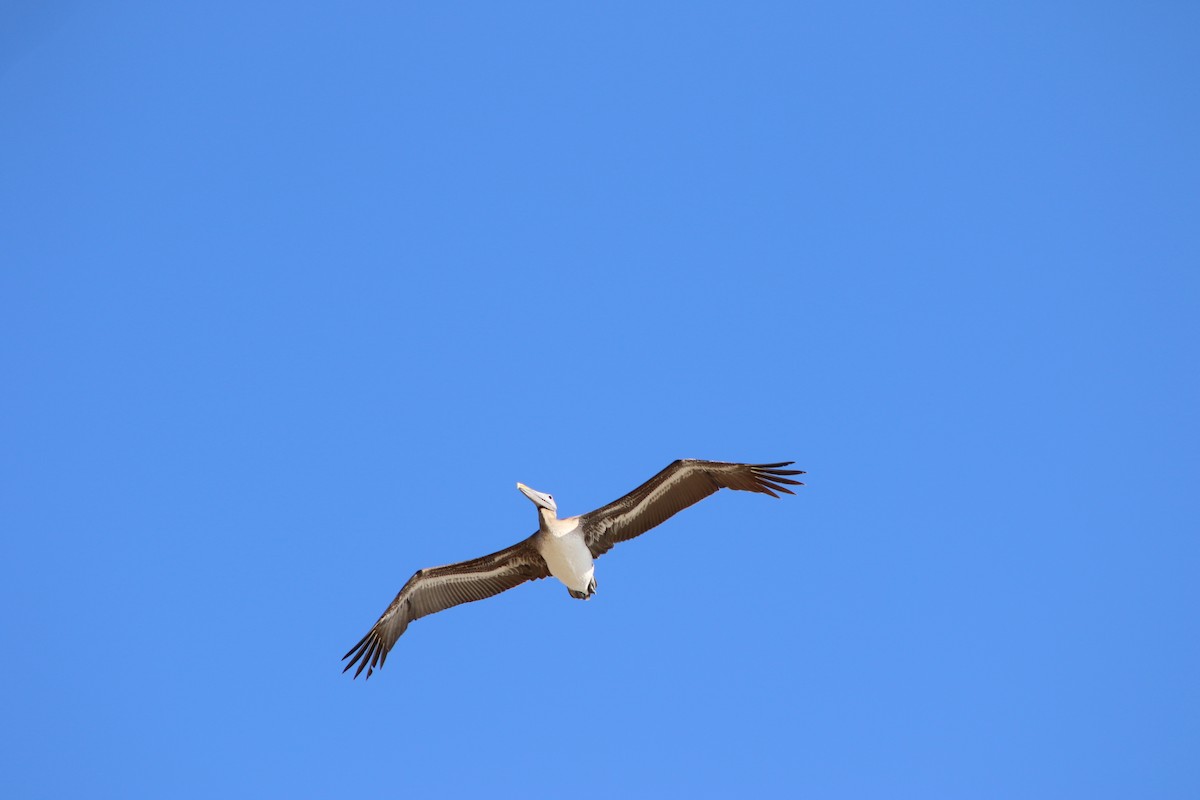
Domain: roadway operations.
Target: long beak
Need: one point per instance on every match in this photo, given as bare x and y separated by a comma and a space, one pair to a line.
538, 498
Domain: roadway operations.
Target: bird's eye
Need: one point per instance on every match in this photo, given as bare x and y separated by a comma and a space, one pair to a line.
549, 497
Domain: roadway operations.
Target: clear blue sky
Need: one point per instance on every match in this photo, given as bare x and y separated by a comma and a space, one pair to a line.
292, 297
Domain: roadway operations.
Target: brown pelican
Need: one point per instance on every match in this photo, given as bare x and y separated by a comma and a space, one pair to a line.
564, 548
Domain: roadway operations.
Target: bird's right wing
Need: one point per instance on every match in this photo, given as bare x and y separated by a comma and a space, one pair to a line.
438, 588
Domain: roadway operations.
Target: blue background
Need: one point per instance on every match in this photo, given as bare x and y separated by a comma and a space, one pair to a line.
292, 295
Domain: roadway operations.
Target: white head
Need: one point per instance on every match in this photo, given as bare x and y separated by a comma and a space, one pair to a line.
544, 502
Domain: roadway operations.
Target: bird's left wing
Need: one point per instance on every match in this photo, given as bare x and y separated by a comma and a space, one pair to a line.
438, 588
683, 483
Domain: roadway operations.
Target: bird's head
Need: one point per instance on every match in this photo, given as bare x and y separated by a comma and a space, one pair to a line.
544, 502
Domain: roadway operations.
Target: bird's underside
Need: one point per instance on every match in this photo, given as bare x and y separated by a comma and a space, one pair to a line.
563, 548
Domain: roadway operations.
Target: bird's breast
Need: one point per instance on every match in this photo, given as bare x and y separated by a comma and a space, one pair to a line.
567, 557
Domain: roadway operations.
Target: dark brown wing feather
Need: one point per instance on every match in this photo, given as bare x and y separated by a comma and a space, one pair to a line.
438, 588
683, 483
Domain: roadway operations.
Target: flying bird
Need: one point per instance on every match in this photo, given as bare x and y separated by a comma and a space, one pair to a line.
564, 548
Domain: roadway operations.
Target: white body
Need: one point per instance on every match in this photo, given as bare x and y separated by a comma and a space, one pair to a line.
560, 542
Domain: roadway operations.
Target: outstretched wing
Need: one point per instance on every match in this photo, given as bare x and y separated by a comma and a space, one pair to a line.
683, 483
438, 588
